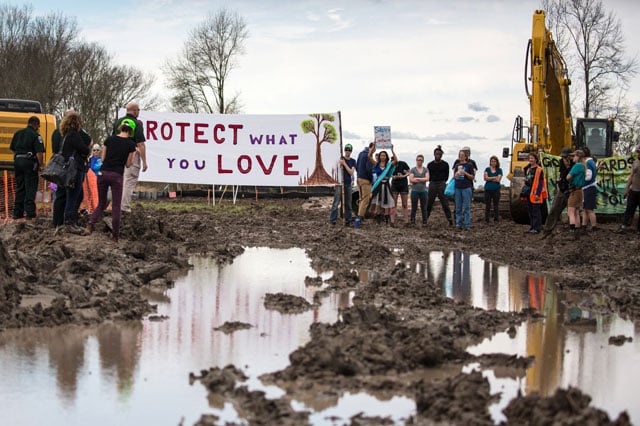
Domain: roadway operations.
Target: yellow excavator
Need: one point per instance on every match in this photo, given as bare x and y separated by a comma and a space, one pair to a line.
550, 125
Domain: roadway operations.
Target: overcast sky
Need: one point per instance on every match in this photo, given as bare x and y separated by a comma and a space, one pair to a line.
437, 72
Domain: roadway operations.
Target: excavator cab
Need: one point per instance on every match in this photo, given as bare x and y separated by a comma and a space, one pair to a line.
596, 134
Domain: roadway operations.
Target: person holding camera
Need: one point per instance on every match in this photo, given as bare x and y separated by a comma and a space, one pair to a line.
464, 172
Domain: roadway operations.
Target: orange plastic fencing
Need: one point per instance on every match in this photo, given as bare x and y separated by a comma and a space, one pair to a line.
7, 197
90, 191
44, 198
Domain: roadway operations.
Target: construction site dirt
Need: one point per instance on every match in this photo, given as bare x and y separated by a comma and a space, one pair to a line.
399, 327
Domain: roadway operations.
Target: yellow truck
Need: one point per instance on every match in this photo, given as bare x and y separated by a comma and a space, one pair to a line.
14, 114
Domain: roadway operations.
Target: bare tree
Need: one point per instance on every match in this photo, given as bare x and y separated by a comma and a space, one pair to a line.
98, 86
627, 119
199, 76
592, 43
42, 59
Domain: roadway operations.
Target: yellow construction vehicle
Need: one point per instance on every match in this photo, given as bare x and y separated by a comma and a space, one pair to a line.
551, 125
14, 114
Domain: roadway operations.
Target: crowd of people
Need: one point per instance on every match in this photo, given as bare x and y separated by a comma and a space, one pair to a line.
116, 164
382, 181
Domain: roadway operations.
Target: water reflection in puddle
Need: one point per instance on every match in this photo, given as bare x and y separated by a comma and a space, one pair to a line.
571, 346
137, 373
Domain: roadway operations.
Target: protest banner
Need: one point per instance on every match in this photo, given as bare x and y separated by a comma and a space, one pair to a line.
228, 149
612, 176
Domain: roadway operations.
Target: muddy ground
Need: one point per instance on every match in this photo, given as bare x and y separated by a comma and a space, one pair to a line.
399, 331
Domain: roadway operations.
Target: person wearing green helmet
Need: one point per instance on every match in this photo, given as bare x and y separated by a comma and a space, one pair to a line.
343, 192
117, 154
132, 173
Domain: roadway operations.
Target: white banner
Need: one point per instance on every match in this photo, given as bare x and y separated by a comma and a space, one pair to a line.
261, 150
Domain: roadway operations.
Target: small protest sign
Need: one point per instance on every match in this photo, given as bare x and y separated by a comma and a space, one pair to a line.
382, 137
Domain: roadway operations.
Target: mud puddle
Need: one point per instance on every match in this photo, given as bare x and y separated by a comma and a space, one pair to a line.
595, 353
138, 373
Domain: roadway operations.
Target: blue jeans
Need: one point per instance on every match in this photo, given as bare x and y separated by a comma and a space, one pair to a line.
71, 205
337, 199
463, 207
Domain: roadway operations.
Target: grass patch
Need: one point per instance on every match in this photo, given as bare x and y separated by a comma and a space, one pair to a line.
226, 207
191, 205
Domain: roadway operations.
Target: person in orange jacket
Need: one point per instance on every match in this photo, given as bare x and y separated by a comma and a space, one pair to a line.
538, 193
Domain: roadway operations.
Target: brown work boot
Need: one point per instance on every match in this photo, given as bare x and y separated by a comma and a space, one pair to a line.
90, 228
74, 229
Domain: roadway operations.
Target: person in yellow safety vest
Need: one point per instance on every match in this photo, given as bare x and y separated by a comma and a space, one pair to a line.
537, 194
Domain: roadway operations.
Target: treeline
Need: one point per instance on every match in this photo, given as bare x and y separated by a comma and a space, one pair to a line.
42, 58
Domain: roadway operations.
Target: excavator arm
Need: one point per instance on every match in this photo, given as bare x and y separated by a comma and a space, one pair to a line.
551, 123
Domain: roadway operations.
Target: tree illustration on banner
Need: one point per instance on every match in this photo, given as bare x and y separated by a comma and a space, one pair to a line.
315, 125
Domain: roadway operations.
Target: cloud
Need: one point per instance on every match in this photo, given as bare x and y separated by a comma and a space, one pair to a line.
449, 136
335, 16
478, 107
348, 135
492, 118
465, 119
331, 21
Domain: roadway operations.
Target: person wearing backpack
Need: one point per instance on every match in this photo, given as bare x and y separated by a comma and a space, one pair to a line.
589, 193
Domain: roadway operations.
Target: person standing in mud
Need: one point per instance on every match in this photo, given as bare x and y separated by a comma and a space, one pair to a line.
382, 198
438, 177
632, 193
343, 192
589, 193
60, 196
537, 184
74, 146
28, 149
132, 173
419, 176
364, 168
464, 173
576, 178
492, 177
400, 187
560, 199
117, 154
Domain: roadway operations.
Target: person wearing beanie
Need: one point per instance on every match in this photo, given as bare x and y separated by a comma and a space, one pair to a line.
342, 194
438, 177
